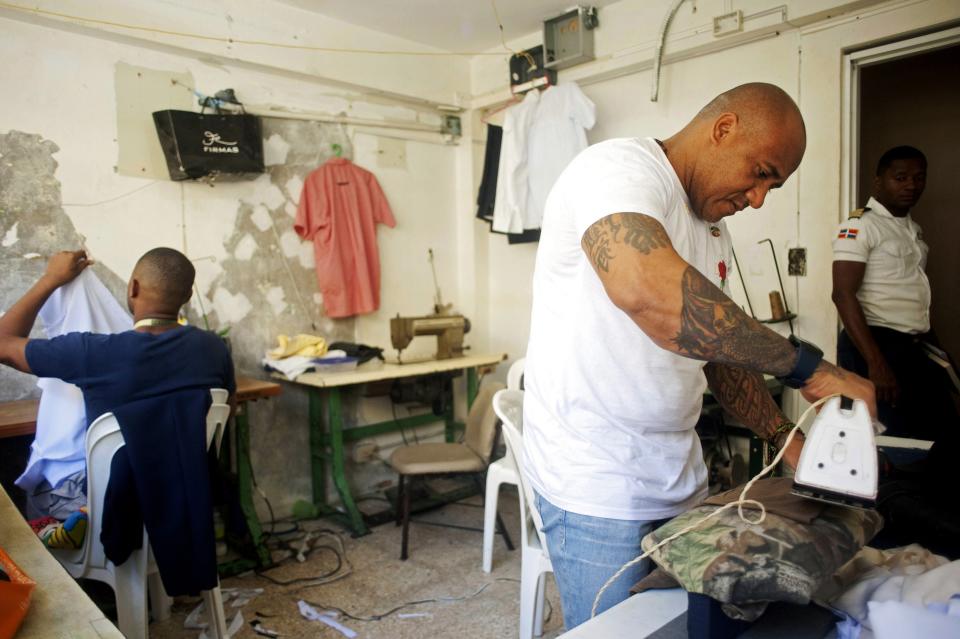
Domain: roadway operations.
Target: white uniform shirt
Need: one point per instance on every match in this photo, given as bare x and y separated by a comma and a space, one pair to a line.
608, 415
895, 292
57, 451
558, 133
513, 183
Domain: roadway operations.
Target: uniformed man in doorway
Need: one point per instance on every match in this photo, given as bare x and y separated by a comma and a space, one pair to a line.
883, 296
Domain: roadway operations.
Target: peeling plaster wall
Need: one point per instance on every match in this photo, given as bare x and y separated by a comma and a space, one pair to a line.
33, 224
59, 188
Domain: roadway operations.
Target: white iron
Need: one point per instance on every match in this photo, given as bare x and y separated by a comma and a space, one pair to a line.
838, 463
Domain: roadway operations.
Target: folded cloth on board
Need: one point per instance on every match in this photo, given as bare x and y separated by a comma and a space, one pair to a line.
83, 305
745, 566
294, 366
298, 346
911, 575
776, 497
362, 352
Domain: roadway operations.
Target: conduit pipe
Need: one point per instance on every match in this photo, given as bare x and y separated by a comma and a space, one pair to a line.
658, 52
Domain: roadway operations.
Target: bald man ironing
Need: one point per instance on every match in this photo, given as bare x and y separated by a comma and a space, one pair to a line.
631, 322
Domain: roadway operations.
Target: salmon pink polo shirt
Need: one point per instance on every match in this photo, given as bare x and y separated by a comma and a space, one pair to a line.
340, 207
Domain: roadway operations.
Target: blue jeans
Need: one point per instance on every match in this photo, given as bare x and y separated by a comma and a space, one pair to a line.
586, 551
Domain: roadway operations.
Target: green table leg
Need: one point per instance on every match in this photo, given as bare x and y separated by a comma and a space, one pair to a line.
318, 456
245, 487
339, 474
473, 386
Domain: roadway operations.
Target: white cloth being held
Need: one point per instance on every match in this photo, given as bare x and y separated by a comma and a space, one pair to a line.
83, 305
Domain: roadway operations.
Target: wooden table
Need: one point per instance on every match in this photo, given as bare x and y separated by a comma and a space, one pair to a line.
18, 417
327, 447
58, 606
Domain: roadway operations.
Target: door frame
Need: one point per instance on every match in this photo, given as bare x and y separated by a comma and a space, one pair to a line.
853, 62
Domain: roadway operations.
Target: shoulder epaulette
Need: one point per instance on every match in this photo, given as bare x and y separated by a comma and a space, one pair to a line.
856, 214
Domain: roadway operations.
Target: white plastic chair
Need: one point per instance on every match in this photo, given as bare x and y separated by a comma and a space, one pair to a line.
515, 374
131, 579
502, 471
535, 562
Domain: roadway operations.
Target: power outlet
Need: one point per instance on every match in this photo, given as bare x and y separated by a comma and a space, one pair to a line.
797, 262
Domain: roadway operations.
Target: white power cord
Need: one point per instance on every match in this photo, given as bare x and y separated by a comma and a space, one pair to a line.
740, 503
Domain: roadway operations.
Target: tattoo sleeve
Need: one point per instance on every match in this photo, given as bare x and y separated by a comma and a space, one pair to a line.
744, 395
715, 329
711, 326
640, 232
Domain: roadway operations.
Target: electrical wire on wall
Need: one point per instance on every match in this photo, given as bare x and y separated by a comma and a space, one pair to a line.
503, 40
111, 199
234, 41
293, 280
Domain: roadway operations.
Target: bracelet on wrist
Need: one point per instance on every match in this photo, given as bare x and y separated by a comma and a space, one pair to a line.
779, 434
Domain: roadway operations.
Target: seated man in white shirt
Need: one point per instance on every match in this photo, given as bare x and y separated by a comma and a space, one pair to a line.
883, 296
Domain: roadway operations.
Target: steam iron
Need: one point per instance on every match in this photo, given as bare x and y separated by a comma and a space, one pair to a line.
838, 463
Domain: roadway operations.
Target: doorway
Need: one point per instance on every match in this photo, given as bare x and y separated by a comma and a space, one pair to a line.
908, 93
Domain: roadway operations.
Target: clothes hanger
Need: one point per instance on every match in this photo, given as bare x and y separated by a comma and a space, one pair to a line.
337, 150
503, 107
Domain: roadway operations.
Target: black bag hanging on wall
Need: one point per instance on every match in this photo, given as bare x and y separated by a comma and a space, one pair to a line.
200, 144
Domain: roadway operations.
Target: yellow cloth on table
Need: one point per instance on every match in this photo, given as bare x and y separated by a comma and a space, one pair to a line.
300, 345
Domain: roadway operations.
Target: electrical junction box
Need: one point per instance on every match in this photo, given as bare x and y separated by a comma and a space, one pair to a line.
728, 23
568, 38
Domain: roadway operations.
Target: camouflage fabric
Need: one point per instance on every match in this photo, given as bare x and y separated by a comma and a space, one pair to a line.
745, 566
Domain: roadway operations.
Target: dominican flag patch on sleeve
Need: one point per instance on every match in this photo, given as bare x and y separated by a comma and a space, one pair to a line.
848, 234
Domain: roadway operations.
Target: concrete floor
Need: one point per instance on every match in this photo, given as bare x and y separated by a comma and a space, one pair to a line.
443, 563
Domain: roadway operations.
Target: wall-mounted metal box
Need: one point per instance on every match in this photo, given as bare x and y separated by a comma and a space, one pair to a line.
568, 38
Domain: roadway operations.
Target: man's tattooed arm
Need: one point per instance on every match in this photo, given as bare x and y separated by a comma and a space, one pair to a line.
744, 395
715, 329
640, 232
680, 310
643, 275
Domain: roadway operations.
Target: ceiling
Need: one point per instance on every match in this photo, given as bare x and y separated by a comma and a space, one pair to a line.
451, 25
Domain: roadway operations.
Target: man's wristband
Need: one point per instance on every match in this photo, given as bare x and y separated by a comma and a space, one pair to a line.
808, 358
779, 434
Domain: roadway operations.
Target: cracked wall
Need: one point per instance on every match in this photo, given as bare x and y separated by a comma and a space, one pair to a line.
34, 226
266, 285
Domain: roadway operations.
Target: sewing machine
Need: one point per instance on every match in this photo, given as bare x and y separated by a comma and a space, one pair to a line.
449, 330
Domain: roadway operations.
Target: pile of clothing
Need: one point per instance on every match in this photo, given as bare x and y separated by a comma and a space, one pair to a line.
296, 355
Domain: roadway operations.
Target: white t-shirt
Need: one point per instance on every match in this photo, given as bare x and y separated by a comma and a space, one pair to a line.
513, 185
895, 292
609, 416
558, 133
